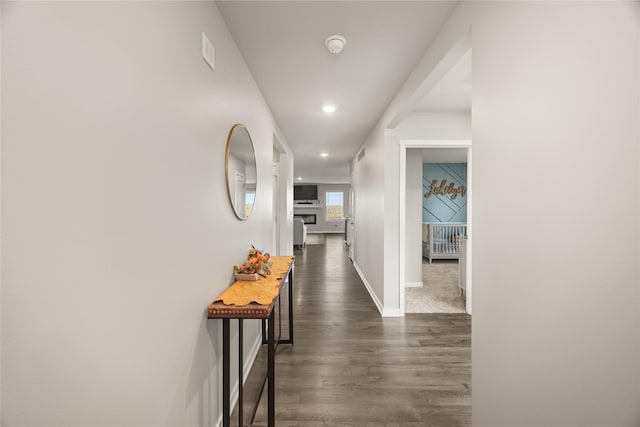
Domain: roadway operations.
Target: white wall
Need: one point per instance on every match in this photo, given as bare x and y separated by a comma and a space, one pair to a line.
434, 125
555, 113
556, 319
413, 241
368, 245
117, 232
316, 171
285, 205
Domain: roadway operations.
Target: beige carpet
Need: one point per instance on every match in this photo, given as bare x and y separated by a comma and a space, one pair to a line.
440, 292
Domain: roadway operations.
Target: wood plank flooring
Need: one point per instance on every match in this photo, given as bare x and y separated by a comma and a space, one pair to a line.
351, 367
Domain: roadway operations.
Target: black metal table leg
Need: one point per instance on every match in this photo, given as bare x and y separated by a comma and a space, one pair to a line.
289, 339
291, 306
240, 374
226, 390
279, 318
271, 377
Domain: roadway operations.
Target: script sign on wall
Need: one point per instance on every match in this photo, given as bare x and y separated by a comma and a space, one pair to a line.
445, 189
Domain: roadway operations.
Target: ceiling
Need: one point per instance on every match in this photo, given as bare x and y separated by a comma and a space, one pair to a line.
283, 45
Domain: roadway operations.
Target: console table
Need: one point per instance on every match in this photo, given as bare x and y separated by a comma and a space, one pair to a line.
282, 268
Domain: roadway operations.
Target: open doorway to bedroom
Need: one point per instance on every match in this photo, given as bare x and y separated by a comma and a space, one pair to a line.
436, 211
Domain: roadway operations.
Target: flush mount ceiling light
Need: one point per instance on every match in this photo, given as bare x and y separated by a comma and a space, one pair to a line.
328, 108
324, 154
299, 178
335, 43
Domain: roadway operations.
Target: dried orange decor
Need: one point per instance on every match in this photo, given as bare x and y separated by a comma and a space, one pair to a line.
256, 264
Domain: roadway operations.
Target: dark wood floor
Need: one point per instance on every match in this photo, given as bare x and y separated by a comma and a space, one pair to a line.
351, 367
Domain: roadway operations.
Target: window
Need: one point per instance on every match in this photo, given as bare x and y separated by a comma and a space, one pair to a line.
334, 205
249, 200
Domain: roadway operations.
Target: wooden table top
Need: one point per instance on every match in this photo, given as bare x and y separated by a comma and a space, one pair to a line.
280, 269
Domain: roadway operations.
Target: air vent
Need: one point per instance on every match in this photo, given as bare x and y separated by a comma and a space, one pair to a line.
361, 154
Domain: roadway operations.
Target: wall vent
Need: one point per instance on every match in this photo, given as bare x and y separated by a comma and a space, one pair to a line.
361, 154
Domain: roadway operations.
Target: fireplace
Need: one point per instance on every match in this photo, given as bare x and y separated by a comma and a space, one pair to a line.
306, 218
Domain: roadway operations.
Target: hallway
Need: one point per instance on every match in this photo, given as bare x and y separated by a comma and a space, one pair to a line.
351, 367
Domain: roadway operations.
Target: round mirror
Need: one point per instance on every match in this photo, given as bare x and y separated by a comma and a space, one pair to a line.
240, 167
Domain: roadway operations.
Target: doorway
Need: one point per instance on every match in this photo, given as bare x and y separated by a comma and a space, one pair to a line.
276, 198
409, 229
436, 221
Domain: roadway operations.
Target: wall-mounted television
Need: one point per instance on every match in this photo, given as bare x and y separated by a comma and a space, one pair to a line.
305, 192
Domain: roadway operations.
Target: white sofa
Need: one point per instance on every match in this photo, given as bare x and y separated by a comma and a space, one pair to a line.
299, 233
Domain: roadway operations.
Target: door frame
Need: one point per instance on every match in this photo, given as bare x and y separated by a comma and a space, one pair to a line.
276, 200
428, 143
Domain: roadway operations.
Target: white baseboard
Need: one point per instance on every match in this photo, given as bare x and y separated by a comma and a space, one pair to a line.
373, 295
413, 285
253, 353
384, 312
392, 312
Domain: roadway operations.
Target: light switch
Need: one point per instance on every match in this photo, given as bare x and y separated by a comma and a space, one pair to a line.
208, 52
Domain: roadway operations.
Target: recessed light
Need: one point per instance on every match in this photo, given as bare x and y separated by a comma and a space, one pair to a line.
324, 154
328, 108
299, 178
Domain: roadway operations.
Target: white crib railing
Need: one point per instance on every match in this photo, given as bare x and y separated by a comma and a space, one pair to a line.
442, 240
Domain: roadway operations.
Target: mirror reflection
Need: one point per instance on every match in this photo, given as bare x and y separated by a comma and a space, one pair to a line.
241, 171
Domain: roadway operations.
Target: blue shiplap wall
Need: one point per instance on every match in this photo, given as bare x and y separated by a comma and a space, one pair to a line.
440, 208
